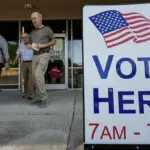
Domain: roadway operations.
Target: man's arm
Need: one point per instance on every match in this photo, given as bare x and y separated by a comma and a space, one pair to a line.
29, 45
52, 38
5, 53
16, 59
51, 43
18, 54
5, 50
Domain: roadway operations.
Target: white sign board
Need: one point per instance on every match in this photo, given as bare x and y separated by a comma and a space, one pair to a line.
117, 74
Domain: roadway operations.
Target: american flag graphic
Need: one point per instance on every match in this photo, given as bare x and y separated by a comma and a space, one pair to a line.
118, 28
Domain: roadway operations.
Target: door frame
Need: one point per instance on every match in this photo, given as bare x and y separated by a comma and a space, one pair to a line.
65, 85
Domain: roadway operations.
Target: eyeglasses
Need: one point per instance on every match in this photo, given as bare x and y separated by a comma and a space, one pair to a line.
24, 37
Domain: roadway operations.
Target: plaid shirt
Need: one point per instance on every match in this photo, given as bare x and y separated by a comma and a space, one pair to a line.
25, 53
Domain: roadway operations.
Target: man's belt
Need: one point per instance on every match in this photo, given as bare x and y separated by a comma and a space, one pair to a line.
40, 52
27, 61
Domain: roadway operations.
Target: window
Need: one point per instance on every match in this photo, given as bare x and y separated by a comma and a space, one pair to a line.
77, 43
9, 30
77, 54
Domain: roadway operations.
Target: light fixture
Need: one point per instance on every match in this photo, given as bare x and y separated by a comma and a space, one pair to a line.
27, 6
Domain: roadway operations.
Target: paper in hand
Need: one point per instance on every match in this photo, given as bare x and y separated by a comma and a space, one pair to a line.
34, 46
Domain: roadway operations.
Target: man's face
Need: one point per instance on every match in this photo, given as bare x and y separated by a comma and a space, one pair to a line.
36, 20
25, 38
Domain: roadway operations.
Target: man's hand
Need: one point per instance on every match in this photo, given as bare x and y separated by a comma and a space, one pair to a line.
29, 46
39, 46
6, 65
14, 62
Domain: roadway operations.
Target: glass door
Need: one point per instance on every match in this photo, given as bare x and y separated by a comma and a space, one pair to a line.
57, 72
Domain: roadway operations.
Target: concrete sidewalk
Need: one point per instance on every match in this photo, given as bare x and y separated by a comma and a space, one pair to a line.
26, 127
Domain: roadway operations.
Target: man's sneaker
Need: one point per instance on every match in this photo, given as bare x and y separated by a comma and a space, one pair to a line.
34, 101
30, 98
24, 96
44, 104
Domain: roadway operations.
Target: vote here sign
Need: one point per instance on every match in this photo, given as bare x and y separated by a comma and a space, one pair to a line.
116, 43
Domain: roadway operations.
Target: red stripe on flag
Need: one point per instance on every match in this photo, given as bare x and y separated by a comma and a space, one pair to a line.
137, 21
141, 25
116, 32
140, 41
135, 17
119, 37
142, 30
144, 35
132, 13
132, 37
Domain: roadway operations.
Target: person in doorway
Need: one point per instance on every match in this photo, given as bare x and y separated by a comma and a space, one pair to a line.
26, 64
41, 38
4, 54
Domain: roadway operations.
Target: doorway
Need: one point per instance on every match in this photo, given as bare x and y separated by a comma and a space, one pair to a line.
56, 76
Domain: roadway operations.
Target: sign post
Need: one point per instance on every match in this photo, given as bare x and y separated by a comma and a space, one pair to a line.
116, 48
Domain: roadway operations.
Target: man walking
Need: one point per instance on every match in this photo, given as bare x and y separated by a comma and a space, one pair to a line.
26, 58
42, 37
4, 55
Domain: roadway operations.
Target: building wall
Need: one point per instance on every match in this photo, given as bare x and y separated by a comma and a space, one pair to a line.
57, 9
112, 2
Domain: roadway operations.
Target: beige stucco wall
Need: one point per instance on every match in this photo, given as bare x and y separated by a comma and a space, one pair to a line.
57, 9
52, 9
